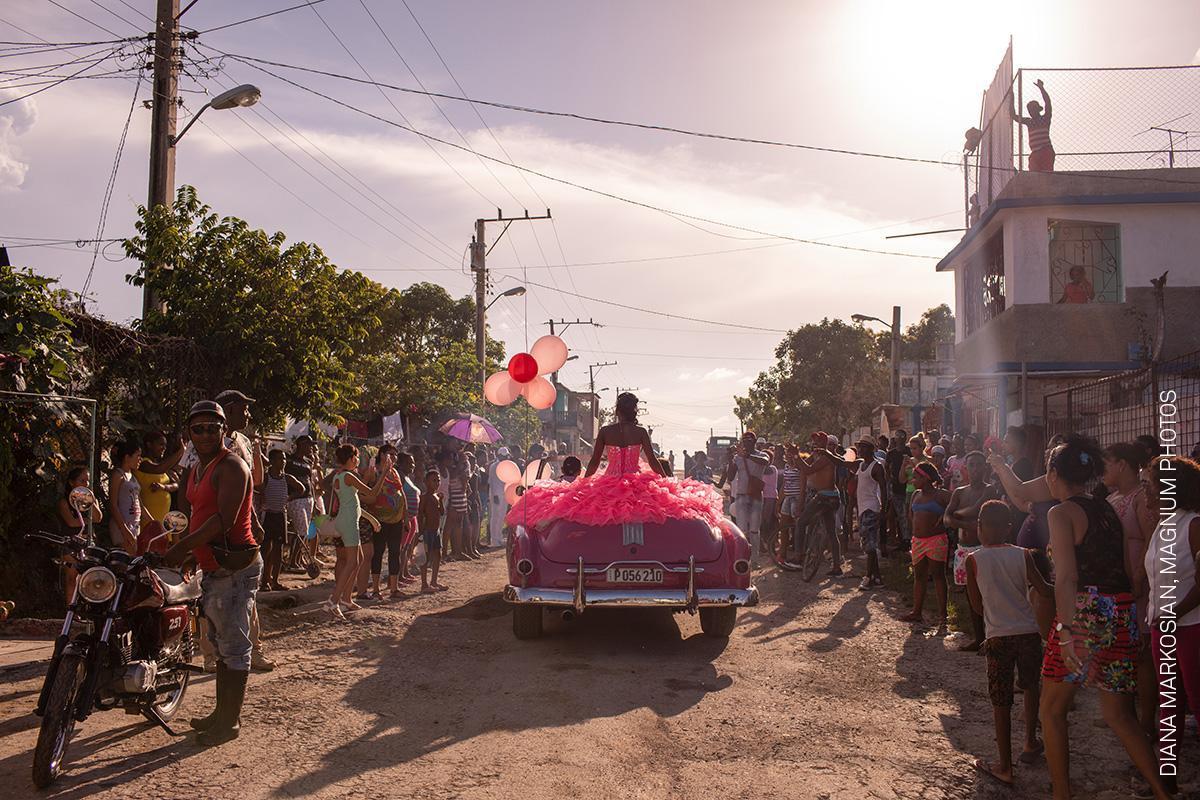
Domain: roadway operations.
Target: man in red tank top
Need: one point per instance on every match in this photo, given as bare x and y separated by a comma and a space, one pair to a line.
218, 500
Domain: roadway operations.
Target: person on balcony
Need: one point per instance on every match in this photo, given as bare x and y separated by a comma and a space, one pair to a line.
1041, 152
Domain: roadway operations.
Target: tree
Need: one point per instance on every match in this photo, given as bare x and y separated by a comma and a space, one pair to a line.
39, 440
286, 326
919, 341
827, 376
425, 357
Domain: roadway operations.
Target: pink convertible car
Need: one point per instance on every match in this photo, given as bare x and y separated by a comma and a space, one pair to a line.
681, 564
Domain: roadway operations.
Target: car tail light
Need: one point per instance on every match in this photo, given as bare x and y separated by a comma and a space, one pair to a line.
524, 566
741, 566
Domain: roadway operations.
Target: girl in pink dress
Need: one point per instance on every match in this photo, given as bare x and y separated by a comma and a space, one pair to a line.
629, 490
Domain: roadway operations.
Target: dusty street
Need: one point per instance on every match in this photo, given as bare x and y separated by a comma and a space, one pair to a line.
819, 693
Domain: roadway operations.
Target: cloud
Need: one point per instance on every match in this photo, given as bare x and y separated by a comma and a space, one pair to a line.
720, 374
16, 119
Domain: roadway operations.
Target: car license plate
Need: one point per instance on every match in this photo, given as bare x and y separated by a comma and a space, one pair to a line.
635, 575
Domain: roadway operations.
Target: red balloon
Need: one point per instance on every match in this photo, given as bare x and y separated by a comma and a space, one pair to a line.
523, 368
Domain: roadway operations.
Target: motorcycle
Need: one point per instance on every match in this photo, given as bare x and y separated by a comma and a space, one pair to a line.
127, 640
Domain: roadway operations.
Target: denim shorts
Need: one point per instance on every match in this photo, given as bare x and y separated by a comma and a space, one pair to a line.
868, 530
791, 506
228, 604
433, 541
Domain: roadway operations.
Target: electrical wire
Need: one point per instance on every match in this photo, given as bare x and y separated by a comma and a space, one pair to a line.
82, 17
110, 11
54, 83
108, 192
659, 313
600, 192
261, 16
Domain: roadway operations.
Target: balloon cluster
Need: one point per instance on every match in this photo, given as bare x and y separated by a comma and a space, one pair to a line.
516, 483
524, 375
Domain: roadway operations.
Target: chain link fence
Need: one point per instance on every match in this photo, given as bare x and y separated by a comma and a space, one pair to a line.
1162, 400
1112, 118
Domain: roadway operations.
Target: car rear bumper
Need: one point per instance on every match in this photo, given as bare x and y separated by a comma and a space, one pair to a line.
633, 598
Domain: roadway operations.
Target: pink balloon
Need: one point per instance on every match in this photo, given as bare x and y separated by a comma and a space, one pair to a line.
501, 390
550, 352
531, 472
510, 493
539, 392
508, 472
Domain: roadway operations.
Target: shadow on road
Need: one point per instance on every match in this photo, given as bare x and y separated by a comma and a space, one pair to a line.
425, 689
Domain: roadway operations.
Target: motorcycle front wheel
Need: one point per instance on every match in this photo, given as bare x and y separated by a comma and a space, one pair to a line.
173, 699
58, 723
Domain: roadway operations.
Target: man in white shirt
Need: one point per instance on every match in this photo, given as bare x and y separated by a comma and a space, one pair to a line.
745, 474
497, 507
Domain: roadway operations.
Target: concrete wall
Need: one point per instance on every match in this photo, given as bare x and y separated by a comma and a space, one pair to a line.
1154, 239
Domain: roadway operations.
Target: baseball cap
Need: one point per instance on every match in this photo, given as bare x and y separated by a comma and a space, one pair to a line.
233, 396
833, 440
503, 452
938, 450
206, 407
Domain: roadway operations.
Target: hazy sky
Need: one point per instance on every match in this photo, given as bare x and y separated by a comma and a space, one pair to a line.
882, 76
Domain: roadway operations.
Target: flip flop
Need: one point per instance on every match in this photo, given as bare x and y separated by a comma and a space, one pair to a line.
984, 768
1031, 756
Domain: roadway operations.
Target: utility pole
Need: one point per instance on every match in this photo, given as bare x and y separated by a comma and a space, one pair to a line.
164, 104
554, 377
895, 355
479, 251
592, 370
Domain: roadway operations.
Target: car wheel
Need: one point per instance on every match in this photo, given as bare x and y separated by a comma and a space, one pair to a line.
527, 621
718, 621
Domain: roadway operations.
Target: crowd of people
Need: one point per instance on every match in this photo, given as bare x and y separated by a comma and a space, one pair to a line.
1058, 559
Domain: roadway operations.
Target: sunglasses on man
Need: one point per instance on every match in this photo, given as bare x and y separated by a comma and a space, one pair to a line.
205, 429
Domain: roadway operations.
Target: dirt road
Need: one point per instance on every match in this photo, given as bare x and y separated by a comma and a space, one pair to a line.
819, 693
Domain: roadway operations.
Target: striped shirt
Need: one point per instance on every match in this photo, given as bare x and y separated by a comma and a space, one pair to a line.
275, 493
412, 496
1039, 136
791, 482
458, 494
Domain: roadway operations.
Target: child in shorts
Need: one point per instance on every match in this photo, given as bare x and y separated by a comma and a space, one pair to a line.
429, 517
999, 576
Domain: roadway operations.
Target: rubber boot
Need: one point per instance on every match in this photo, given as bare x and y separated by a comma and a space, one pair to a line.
204, 723
227, 725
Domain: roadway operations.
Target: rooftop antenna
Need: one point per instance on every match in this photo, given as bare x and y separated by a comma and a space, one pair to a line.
1171, 134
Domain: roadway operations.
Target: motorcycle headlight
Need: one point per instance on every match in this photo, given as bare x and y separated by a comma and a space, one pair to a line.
97, 585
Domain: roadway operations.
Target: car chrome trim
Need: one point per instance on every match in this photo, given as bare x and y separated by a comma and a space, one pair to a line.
628, 561
646, 598
633, 533
578, 600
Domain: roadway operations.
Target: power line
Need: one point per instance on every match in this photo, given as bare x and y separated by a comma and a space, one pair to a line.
657, 312
400, 113
679, 355
108, 191
82, 17
115, 14
55, 83
261, 16
602, 193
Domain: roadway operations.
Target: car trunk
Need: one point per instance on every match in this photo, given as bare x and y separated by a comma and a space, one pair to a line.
671, 542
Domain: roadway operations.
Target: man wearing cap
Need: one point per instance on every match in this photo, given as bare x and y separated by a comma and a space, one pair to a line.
497, 507
217, 496
300, 510
236, 412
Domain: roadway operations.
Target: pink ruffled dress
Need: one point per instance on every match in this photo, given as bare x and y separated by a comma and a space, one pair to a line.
627, 491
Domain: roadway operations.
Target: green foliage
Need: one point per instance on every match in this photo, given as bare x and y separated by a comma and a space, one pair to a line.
518, 422
282, 323
919, 341
828, 375
38, 439
424, 360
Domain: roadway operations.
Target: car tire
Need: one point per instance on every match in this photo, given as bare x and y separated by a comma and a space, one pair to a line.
718, 621
527, 621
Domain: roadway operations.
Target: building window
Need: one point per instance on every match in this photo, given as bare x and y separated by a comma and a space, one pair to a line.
1085, 262
984, 284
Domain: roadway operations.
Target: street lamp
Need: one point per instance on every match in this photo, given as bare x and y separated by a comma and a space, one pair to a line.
242, 96
516, 291
895, 326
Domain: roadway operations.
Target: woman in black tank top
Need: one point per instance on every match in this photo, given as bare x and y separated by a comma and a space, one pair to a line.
1095, 639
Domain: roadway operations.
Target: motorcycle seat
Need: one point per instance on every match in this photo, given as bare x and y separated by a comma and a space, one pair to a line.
177, 589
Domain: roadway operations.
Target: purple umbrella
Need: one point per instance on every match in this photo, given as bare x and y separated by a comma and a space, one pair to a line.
471, 428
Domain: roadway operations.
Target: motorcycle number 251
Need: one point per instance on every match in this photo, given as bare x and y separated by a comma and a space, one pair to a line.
175, 623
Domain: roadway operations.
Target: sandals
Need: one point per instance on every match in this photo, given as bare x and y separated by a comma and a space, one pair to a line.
1032, 756
396, 595
984, 768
